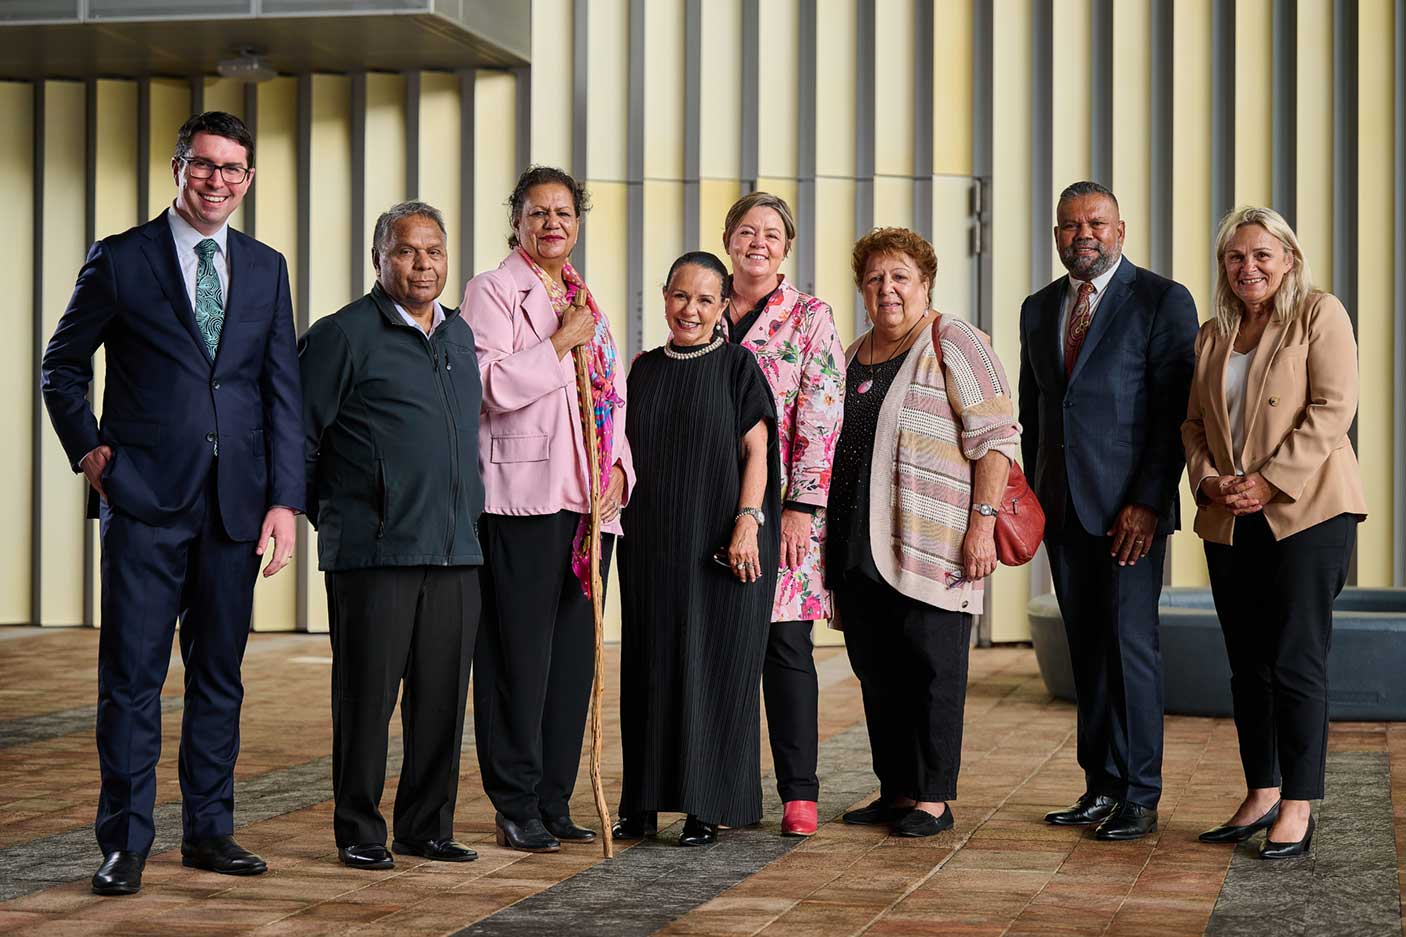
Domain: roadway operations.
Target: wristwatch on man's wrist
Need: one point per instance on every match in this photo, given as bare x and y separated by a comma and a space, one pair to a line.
985, 510
754, 513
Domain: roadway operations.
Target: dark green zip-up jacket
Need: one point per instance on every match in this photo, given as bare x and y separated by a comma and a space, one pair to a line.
391, 424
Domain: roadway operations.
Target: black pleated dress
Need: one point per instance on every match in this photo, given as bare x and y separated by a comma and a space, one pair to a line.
693, 636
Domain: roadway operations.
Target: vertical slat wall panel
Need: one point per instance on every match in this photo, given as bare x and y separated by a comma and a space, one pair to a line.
439, 146
169, 108
552, 65
834, 161
952, 87
778, 101
1132, 120
894, 23
1314, 144
17, 135
720, 119
384, 184
1071, 127
607, 116
495, 98
663, 161
1254, 125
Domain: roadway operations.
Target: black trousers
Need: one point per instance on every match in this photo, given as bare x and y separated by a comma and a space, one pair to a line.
791, 691
1275, 603
1110, 618
911, 661
534, 665
410, 624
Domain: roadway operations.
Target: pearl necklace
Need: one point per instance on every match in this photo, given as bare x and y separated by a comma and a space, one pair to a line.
697, 353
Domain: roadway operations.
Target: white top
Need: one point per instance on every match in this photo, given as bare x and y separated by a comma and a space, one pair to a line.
410, 320
186, 239
1071, 296
1237, 371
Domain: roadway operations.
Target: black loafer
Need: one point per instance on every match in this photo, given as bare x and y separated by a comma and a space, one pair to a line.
223, 855
1273, 850
564, 829
645, 823
1130, 821
1226, 833
917, 823
879, 813
120, 874
438, 850
529, 836
1089, 808
697, 833
366, 856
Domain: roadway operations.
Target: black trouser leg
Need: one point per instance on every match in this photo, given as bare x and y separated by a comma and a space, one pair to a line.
791, 691
864, 640
931, 656
433, 702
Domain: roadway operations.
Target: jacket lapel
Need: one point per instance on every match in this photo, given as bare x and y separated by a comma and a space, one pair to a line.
1049, 344
1119, 292
241, 271
1216, 363
160, 250
1270, 341
536, 308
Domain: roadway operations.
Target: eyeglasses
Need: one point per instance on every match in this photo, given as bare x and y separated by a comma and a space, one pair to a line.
203, 169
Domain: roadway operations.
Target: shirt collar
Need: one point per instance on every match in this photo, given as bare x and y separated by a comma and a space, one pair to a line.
410, 320
187, 237
1100, 282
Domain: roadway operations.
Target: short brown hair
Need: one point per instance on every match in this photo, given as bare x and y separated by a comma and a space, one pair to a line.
746, 203
895, 241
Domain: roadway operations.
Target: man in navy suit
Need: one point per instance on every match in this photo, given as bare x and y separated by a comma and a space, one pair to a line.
1106, 358
196, 464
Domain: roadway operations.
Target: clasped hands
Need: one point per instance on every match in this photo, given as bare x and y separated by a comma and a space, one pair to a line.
1238, 494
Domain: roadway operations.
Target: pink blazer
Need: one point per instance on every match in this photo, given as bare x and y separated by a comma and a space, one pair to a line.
531, 449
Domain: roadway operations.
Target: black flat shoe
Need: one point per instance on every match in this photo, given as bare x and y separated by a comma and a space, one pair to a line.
120, 874
529, 836
366, 856
566, 830
917, 823
645, 823
879, 813
437, 850
1088, 809
223, 855
1226, 833
1130, 821
697, 833
1273, 850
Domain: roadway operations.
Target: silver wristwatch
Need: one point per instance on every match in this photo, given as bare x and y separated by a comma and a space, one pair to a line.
754, 513
985, 510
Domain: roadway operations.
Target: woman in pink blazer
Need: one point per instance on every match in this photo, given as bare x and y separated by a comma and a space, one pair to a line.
533, 663
793, 337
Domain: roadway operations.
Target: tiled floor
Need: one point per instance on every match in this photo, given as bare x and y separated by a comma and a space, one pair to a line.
1001, 871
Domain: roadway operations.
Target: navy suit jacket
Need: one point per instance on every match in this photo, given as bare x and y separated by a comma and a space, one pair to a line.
1110, 435
164, 402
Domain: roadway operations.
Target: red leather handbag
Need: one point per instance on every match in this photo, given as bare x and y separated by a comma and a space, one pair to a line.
1020, 523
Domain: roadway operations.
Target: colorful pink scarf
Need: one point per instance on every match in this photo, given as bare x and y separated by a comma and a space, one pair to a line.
604, 400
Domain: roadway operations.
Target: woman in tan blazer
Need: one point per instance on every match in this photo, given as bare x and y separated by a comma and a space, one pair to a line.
1280, 497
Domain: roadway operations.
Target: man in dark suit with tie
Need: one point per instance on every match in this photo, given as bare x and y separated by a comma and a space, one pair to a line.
196, 464
1106, 360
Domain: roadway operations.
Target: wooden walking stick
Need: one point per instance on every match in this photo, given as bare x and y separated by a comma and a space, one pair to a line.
588, 432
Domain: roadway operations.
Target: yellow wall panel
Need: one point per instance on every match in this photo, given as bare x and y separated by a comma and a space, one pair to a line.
1375, 271
224, 94
1314, 147
834, 87
170, 107
893, 202
893, 87
608, 101
385, 165
1132, 120
497, 170
778, 103
552, 64
663, 89
440, 166
834, 243
17, 233
1254, 124
720, 94
607, 274
952, 88
1071, 154
663, 243
951, 239
715, 197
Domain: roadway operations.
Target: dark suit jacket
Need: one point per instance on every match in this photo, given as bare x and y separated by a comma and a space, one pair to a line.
1110, 435
164, 402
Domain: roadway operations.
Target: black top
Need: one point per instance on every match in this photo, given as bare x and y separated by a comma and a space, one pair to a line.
848, 552
744, 325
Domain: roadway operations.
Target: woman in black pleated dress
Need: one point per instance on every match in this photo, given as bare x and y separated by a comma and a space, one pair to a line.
697, 569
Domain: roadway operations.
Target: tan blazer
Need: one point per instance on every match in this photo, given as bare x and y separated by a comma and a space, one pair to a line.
1300, 398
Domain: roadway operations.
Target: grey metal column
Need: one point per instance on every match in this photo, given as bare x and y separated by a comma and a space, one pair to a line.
1101, 91
90, 227
1345, 255
306, 564
806, 204
1398, 474
580, 144
144, 149
634, 183
1285, 85
522, 146
922, 116
983, 119
864, 84
751, 91
356, 236
36, 421
692, 122
1041, 140
251, 120
468, 167
1160, 164
1222, 108
197, 94
412, 134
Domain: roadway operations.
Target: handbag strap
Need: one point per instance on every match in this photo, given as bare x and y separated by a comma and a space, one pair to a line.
937, 338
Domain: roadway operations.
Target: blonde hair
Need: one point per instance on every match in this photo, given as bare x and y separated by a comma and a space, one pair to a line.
1294, 291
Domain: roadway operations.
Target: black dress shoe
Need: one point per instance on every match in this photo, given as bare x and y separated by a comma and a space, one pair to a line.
697, 833
921, 823
1089, 808
1129, 821
879, 813
529, 836
222, 854
645, 823
567, 831
120, 874
1226, 833
439, 850
1273, 850
366, 856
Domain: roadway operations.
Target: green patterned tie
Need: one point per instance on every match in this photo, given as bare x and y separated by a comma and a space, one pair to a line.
209, 304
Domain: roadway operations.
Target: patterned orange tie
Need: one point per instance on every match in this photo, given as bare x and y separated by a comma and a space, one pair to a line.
1079, 318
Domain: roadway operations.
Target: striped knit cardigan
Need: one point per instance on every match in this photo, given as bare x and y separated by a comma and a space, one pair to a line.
936, 420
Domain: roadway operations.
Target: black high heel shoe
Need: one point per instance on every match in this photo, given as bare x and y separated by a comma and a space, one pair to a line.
1226, 833
645, 823
697, 833
1273, 850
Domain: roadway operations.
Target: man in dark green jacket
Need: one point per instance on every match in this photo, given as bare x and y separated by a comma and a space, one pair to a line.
391, 398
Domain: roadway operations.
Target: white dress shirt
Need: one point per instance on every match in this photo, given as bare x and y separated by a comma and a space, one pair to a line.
1237, 373
186, 239
410, 320
1071, 297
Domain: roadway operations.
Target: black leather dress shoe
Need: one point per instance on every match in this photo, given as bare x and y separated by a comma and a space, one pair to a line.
879, 813
439, 850
222, 854
1129, 821
529, 836
366, 856
1226, 833
1089, 808
697, 833
120, 874
564, 829
921, 823
1273, 850
642, 824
